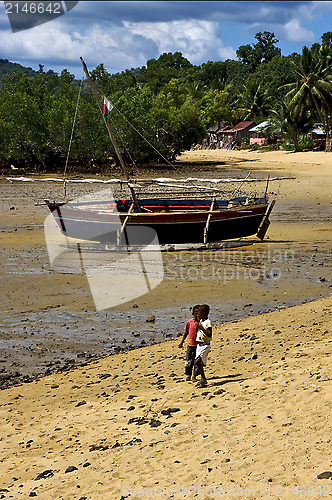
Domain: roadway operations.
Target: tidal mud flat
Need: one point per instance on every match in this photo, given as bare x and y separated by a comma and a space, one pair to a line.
49, 321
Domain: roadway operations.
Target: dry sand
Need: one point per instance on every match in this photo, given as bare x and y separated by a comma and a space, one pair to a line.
262, 424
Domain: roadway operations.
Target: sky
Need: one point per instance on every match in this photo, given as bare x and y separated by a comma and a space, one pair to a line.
124, 35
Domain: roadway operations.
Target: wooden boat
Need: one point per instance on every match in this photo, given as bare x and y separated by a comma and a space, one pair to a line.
173, 220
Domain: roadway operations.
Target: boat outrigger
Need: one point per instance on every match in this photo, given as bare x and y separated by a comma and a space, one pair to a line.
175, 220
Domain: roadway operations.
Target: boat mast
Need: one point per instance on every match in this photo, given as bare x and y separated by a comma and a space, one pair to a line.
110, 133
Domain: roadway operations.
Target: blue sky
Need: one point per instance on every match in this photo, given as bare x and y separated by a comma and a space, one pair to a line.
126, 34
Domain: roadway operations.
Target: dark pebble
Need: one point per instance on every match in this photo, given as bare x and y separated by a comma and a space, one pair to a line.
81, 403
150, 319
86, 464
154, 422
169, 411
131, 408
32, 494
44, 475
71, 468
325, 475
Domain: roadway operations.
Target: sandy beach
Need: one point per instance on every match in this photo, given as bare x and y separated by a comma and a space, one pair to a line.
128, 425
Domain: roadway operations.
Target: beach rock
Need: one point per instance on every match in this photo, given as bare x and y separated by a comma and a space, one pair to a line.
254, 356
81, 403
277, 332
169, 411
131, 408
325, 475
44, 475
71, 468
135, 440
86, 464
151, 318
154, 422
32, 494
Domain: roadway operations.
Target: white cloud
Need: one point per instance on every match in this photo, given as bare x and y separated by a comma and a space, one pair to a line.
197, 40
293, 32
117, 46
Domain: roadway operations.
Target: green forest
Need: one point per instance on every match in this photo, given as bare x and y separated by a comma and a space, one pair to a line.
170, 102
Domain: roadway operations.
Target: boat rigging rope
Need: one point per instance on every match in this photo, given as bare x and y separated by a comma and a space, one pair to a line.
35, 200
122, 141
156, 150
71, 137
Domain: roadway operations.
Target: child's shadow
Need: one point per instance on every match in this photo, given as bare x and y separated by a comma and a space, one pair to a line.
229, 378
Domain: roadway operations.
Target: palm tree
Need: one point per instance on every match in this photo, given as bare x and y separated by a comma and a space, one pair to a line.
254, 101
313, 87
290, 121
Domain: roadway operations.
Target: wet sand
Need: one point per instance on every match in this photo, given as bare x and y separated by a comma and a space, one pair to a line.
128, 425
49, 320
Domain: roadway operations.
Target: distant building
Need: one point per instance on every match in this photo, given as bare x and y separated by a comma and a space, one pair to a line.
318, 135
257, 135
214, 133
232, 137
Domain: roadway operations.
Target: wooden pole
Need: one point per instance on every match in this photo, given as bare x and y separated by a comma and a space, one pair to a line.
110, 133
266, 222
206, 229
120, 231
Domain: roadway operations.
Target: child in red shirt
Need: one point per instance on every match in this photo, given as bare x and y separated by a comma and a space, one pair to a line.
190, 331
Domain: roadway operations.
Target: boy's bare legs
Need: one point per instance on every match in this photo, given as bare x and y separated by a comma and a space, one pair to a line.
200, 368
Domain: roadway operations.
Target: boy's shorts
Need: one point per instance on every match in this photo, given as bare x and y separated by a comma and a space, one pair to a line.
202, 351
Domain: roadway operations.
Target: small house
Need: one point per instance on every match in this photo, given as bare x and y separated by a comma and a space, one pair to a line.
234, 136
257, 135
214, 133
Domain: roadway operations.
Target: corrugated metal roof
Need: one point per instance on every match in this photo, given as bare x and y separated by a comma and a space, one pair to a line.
241, 126
259, 127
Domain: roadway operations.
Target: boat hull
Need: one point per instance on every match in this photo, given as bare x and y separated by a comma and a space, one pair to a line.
173, 227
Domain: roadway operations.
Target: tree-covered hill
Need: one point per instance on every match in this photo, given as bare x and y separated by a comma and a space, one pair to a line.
170, 102
11, 67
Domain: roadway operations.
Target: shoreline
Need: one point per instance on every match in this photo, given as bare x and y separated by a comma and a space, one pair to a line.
236, 282
94, 431
79, 355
